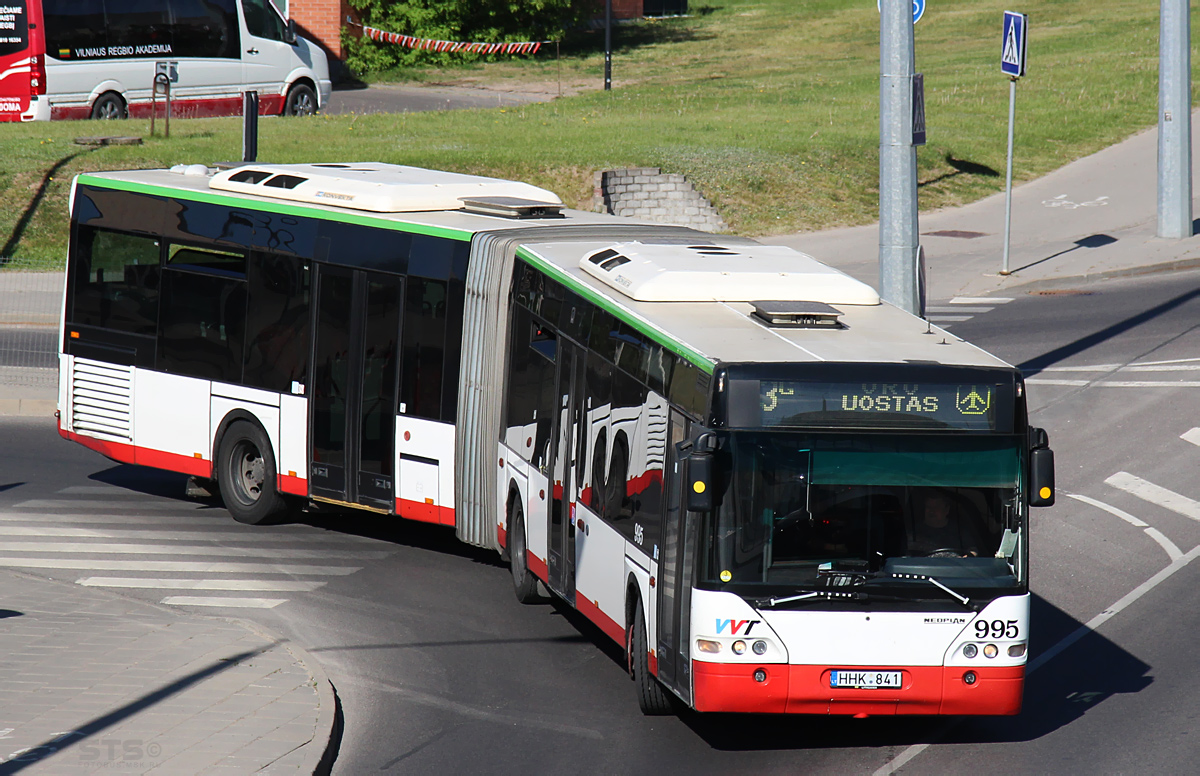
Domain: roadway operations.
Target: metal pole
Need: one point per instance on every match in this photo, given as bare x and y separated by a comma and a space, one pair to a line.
250, 126
1174, 120
1012, 115
897, 158
607, 45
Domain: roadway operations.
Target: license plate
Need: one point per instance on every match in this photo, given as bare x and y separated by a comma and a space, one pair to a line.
865, 680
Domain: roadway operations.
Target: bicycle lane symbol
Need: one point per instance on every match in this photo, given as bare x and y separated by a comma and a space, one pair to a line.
1062, 201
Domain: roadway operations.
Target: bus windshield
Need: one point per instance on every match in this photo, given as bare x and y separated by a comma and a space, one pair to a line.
799, 510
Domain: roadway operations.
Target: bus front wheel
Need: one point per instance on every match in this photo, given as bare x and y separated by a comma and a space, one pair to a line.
246, 473
653, 698
109, 106
524, 582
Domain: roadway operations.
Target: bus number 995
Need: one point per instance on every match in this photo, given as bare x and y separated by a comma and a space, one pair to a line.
997, 629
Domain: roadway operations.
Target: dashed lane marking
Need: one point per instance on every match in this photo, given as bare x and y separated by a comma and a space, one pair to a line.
991, 300
1191, 435
1155, 494
1115, 383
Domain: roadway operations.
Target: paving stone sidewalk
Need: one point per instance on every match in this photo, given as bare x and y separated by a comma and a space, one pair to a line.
94, 682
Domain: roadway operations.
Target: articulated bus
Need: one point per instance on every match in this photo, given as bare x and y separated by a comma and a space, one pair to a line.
777, 492
78, 59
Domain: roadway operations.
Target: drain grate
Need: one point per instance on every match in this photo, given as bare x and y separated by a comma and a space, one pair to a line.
959, 233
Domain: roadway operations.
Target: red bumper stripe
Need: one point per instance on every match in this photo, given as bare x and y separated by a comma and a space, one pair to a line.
805, 690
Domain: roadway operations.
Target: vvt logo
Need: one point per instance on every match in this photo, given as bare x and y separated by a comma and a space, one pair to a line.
735, 626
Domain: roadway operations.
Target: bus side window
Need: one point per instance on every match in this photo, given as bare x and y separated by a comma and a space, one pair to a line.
530, 385
203, 317
76, 25
116, 281
424, 333
277, 323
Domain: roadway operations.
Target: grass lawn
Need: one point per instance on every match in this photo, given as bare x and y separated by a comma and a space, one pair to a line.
769, 106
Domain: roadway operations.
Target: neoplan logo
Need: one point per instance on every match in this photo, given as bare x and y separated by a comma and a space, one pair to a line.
735, 626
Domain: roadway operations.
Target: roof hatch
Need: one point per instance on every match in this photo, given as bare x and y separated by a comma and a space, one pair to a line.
383, 188
711, 273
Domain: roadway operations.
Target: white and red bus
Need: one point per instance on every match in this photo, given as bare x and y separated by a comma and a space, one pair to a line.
78, 59
815, 505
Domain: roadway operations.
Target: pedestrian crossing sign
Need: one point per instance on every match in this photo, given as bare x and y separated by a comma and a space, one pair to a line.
1012, 55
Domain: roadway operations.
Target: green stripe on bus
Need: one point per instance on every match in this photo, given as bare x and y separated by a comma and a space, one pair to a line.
704, 363
281, 208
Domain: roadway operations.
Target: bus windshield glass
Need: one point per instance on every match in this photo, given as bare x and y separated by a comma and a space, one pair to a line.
798, 510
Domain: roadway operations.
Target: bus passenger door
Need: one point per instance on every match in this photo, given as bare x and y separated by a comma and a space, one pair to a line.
569, 446
673, 582
352, 415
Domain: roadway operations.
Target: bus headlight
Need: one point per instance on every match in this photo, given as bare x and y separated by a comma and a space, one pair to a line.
991, 650
970, 650
739, 647
705, 645
1016, 650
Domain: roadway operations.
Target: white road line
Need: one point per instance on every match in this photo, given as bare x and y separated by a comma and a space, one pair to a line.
91, 490
1161, 368
957, 309
1172, 550
199, 567
1191, 435
155, 583
84, 504
239, 603
189, 549
1093, 624
1116, 383
949, 318
1155, 494
980, 300
190, 519
169, 534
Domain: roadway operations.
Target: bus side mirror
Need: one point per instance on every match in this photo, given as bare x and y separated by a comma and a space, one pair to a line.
700, 482
1041, 469
289, 35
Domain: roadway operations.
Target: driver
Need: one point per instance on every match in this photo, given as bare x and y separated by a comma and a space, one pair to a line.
941, 534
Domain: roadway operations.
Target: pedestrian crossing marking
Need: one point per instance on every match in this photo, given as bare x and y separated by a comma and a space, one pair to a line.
188, 549
239, 603
200, 567
155, 583
1155, 494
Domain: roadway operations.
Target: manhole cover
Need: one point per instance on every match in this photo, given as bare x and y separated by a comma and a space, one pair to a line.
960, 233
1063, 292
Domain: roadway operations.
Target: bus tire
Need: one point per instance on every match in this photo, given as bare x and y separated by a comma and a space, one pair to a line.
653, 699
246, 474
301, 101
109, 106
525, 584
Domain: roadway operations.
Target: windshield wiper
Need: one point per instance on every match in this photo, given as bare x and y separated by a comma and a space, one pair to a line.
962, 599
822, 595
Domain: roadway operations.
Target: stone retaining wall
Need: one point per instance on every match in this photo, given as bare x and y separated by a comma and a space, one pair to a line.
647, 194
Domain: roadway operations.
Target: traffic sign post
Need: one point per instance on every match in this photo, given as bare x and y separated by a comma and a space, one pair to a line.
1012, 64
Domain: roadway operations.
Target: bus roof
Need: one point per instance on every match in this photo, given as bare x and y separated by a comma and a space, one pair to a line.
693, 293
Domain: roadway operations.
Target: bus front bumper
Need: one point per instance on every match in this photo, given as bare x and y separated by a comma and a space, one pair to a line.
804, 689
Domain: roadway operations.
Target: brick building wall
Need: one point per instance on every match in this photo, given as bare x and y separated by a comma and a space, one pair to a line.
321, 21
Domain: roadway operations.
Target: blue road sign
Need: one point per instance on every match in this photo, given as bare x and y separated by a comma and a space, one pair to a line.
1012, 52
918, 9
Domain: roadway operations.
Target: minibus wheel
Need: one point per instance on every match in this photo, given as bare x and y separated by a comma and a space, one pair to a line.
301, 101
109, 106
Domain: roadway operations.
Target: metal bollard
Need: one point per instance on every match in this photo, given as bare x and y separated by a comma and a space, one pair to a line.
162, 85
250, 126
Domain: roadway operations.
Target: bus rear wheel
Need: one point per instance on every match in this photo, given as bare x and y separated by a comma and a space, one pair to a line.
109, 106
524, 582
653, 698
246, 473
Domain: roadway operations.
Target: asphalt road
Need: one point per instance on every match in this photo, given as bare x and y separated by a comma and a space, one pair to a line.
403, 98
439, 668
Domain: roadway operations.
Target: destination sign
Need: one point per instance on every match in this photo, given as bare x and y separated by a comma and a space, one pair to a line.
965, 406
